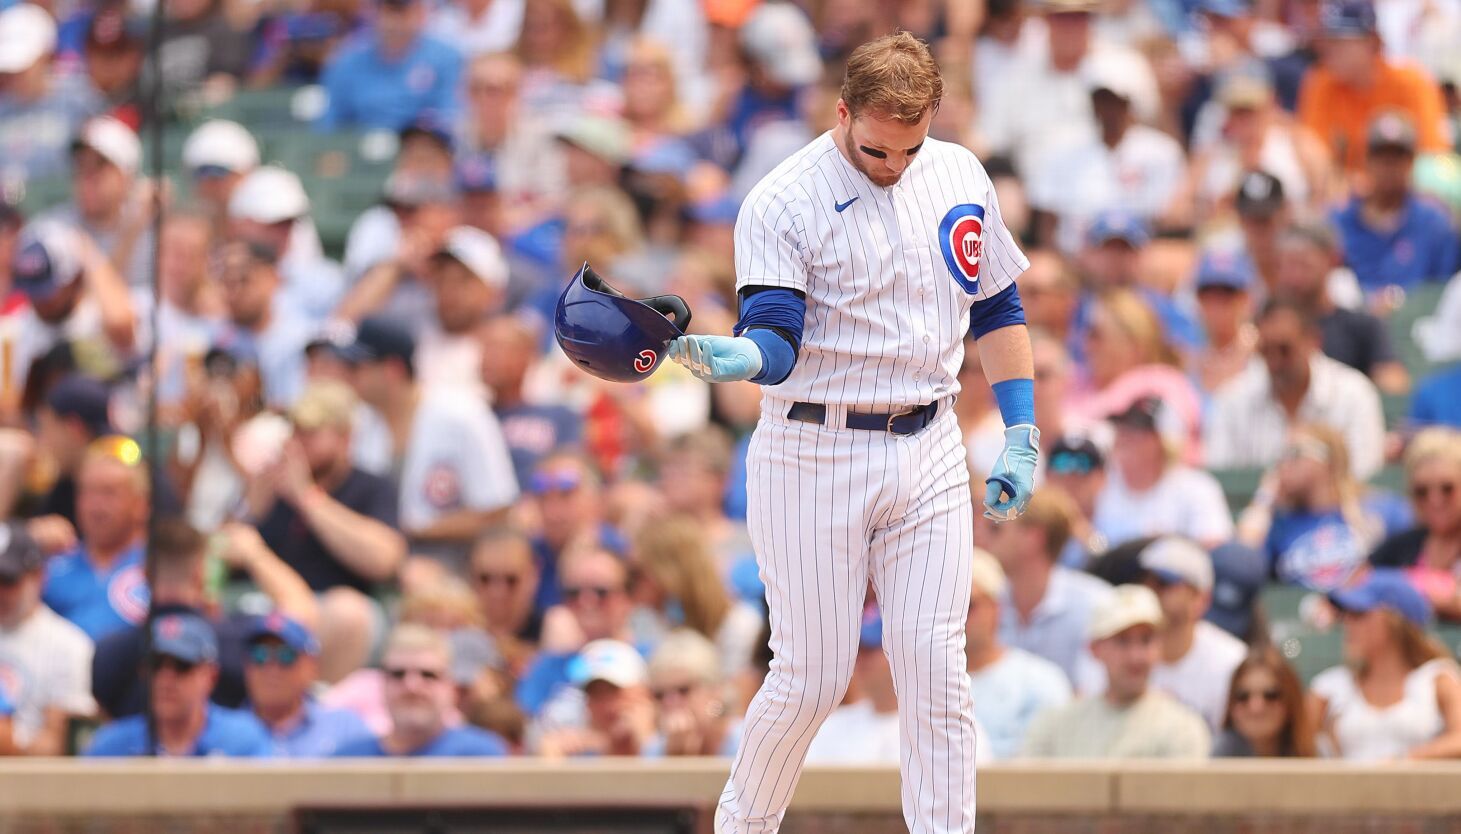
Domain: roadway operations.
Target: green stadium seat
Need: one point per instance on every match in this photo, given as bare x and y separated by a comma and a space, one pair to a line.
1309, 650
1418, 302
1391, 478
1397, 407
41, 194
257, 108
1238, 485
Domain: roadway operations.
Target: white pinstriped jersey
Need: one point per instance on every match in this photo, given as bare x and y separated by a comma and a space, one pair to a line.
889, 274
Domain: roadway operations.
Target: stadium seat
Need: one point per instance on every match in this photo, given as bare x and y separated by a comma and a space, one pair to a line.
1238, 486
1419, 301
258, 108
1310, 650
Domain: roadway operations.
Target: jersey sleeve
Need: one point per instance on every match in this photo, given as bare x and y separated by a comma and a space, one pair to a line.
1003, 260
770, 242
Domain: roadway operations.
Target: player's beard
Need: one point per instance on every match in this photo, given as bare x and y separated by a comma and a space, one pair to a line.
851, 152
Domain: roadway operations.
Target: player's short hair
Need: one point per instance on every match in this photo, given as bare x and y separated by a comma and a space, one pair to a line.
893, 77
1052, 511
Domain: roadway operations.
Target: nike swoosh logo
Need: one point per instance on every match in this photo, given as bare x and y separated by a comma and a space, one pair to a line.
841, 207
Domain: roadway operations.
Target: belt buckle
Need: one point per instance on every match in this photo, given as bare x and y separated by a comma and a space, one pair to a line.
904, 413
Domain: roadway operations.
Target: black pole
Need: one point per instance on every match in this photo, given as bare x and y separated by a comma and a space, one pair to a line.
153, 126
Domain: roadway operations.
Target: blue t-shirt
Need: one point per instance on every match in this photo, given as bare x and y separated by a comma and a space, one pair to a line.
7, 707
1437, 399
1316, 550
1422, 247
35, 136
455, 741
320, 733
98, 603
367, 90
227, 732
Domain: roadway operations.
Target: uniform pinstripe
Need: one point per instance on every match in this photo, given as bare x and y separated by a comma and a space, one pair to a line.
832, 509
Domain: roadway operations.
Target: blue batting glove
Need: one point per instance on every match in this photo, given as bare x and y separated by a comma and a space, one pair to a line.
717, 358
1013, 474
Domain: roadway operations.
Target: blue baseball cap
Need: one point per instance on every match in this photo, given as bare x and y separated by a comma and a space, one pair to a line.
377, 339
476, 174
1118, 225
1347, 18
1225, 8
720, 211
44, 262
1228, 268
430, 127
86, 399
1384, 588
187, 637
290, 632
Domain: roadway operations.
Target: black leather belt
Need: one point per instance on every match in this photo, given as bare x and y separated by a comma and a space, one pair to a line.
900, 422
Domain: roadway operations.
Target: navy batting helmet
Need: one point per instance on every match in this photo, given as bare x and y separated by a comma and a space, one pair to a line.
612, 336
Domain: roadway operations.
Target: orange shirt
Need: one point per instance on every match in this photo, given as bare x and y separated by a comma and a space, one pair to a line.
1340, 115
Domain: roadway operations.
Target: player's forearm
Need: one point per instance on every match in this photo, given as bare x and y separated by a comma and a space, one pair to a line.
1010, 369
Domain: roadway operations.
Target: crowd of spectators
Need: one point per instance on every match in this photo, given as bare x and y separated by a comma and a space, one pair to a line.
390, 518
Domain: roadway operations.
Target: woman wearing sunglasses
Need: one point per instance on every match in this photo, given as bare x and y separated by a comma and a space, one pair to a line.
1266, 714
1398, 696
1430, 554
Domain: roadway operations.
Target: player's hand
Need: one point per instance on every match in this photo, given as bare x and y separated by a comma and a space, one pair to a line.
1011, 481
717, 358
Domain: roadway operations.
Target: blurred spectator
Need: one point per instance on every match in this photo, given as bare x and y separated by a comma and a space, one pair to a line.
392, 73
556, 49
1196, 660
183, 666
1048, 606
570, 504
468, 278
677, 583
1296, 383
1225, 284
45, 661
76, 411
1050, 291
1114, 248
190, 306
477, 27
295, 44
40, 109
224, 400
183, 571
1437, 399
509, 350
281, 667
113, 54
692, 478
1431, 552
1010, 686
1007, 40
1263, 211
443, 446
7, 716
419, 181
1122, 165
618, 715
99, 584
200, 45
1055, 377
681, 27
506, 578
1307, 516
331, 522
1390, 659
218, 155
1077, 467
420, 697
686, 678
1149, 491
269, 205
1393, 236
1353, 82
1131, 719
653, 106
1266, 714
389, 252
512, 138
596, 606
260, 323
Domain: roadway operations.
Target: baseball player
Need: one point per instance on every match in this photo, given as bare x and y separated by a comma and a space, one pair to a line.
862, 261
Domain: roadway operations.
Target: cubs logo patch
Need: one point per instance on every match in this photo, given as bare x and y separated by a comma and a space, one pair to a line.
644, 362
961, 237
128, 595
442, 486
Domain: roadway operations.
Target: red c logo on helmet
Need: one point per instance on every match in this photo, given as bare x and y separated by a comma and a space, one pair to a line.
645, 360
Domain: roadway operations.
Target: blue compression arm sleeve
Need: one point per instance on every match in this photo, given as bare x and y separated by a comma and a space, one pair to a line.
773, 318
1016, 399
1001, 310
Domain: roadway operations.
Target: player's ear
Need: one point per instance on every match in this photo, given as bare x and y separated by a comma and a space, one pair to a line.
844, 113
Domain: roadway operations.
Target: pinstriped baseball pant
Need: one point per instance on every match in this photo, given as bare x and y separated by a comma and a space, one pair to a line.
829, 509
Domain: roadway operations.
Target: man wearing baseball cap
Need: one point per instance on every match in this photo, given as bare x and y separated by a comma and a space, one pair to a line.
1353, 82
260, 321
1111, 259
392, 75
618, 717
269, 205
468, 278
1224, 286
183, 664
1010, 685
281, 666
40, 109
218, 155
1077, 467
1131, 719
45, 661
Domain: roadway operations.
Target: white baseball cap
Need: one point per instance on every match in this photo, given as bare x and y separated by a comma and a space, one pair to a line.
1104, 71
222, 144
27, 34
114, 140
609, 660
479, 252
1175, 559
268, 195
988, 576
1128, 605
780, 38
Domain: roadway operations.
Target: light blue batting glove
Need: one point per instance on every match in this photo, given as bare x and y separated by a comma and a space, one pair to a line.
717, 358
1013, 474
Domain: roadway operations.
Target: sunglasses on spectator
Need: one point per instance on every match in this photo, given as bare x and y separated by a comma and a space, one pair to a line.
1444, 489
285, 656
487, 577
683, 691
162, 661
544, 482
600, 593
400, 673
1071, 463
1269, 696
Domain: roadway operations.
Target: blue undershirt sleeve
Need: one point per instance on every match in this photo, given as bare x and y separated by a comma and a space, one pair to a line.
1000, 310
773, 318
